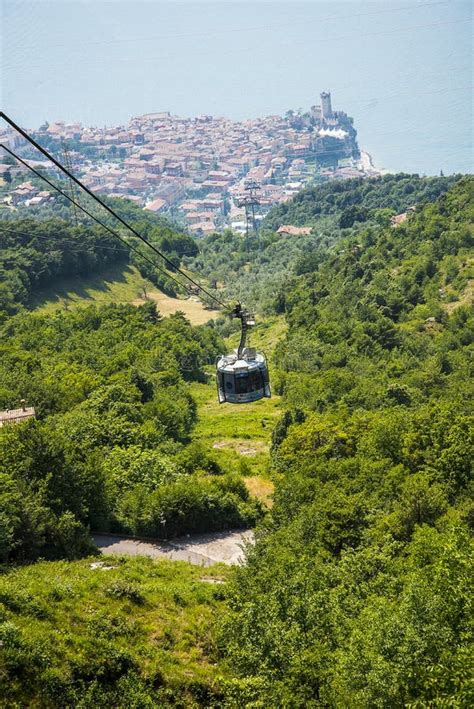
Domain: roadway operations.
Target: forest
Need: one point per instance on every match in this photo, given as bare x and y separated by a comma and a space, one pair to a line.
34, 252
357, 590
256, 271
360, 199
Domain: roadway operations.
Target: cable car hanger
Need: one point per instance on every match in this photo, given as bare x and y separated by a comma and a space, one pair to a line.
246, 321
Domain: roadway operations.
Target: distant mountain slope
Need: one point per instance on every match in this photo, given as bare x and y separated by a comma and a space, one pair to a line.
358, 200
256, 271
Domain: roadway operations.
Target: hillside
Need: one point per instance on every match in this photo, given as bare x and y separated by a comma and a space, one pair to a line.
356, 474
389, 301
256, 272
119, 284
357, 592
110, 632
39, 254
359, 200
134, 631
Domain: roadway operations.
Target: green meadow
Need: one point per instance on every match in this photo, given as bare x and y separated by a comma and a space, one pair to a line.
84, 633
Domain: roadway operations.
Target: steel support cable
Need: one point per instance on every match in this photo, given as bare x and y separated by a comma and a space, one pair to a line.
104, 226
50, 157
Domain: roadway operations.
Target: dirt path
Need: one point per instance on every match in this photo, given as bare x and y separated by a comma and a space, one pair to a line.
199, 549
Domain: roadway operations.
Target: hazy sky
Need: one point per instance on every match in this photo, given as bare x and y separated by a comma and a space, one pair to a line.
403, 70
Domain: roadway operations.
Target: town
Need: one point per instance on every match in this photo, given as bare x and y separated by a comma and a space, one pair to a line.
200, 171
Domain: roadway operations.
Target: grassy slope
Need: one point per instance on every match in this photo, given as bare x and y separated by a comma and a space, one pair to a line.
65, 618
240, 434
118, 284
235, 431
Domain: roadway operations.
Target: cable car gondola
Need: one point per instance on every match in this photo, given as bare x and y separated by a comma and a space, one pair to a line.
242, 377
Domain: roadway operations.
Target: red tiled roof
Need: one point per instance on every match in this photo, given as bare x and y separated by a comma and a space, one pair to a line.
294, 230
156, 205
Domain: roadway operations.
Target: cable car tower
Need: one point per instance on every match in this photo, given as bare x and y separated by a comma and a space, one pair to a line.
250, 200
68, 163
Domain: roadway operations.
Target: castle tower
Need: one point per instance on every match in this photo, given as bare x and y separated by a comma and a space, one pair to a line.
326, 109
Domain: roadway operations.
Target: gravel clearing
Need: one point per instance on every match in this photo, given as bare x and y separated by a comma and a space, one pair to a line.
198, 549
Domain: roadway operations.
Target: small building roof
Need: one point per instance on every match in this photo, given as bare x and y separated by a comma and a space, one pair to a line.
294, 230
157, 205
398, 219
205, 227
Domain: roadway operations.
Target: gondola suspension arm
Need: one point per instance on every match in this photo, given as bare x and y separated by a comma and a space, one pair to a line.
246, 321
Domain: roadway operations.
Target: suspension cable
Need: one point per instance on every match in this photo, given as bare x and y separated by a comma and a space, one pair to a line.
69, 174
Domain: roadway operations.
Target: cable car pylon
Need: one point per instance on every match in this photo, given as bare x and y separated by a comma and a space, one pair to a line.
68, 164
250, 200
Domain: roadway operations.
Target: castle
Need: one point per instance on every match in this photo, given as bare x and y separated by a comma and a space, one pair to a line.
335, 135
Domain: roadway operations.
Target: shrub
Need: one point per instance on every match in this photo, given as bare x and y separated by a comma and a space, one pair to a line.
124, 589
188, 506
